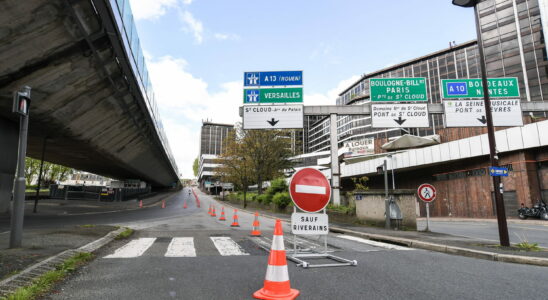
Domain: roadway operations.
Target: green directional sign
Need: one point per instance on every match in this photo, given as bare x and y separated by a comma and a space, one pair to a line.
398, 89
472, 88
273, 95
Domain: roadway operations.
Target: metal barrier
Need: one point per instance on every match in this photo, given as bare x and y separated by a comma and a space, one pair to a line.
96, 193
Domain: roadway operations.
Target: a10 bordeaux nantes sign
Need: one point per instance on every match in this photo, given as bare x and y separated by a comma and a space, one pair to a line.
398, 89
473, 88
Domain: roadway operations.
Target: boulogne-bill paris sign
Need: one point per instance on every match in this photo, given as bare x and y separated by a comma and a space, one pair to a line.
398, 89
473, 88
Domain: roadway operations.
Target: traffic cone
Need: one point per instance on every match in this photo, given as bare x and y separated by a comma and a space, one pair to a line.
164, 203
222, 218
209, 210
213, 214
140, 203
276, 284
184, 205
256, 231
235, 219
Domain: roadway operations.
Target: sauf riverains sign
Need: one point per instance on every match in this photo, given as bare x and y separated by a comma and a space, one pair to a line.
359, 147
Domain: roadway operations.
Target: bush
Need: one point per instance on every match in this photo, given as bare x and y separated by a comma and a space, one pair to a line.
277, 185
264, 199
281, 200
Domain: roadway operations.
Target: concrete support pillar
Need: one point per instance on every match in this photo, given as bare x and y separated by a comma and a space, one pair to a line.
335, 170
9, 136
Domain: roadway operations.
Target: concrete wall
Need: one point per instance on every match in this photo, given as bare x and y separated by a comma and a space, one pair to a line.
371, 207
9, 135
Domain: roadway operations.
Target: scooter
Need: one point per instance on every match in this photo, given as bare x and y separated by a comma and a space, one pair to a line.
539, 210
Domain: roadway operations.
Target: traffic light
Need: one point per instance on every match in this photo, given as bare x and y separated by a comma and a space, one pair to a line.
21, 102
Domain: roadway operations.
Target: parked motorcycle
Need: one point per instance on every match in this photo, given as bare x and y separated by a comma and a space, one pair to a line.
539, 210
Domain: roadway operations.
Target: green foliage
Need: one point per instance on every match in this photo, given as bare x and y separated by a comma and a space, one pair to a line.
526, 246
281, 199
264, 198
45, 282
124, 234
348, 210
277, 185
360, 183
195, 166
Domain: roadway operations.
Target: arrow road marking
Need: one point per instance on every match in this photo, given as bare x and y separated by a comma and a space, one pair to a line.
400, 120
310, 189
273, 122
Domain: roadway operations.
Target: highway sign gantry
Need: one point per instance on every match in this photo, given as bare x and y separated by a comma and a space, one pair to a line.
473, 88
309, 190
399, 115
273, 116
471, 113
273, 95
273, 78
398, 89
426, 192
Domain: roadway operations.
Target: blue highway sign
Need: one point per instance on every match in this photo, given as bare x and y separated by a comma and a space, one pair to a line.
275, 78
498, 171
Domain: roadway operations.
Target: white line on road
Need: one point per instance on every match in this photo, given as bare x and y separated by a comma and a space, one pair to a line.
5, 232
181, 247
373, 243
134, 248
227, 247
310, 189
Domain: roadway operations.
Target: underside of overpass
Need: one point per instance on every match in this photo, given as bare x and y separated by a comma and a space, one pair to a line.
86, 101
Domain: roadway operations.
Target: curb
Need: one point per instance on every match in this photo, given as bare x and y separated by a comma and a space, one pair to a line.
411, 243
25, 277
512, 221
537, 261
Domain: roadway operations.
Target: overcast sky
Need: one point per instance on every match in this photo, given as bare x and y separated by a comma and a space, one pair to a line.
197, 50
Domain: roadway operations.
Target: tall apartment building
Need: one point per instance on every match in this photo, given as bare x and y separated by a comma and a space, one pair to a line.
514, 46
212, 137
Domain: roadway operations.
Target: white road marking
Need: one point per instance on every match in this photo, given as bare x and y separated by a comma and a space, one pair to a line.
310, 189
4, 232
226, 246
181, 247
134, 248
373, 243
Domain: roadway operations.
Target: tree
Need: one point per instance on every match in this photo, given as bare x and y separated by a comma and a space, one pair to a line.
32, 167
195, 167
234, 166
269, 152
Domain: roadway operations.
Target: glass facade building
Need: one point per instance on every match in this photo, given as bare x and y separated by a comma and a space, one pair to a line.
514, 46
212, 136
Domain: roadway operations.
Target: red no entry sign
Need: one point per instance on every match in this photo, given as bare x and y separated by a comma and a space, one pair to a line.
427, 192
309, 190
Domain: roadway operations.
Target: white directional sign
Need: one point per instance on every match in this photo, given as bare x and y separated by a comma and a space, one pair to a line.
306, 223
471, 113
399, 115
273, 116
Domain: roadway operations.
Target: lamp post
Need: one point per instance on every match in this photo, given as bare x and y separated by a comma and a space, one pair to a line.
497, 184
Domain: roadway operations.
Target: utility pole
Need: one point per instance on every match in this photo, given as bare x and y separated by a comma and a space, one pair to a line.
21, 104
386, 199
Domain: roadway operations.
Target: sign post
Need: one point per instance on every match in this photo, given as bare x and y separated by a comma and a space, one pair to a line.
310, 192
427, 193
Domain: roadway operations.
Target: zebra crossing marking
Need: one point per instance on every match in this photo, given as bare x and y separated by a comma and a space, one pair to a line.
181, 247
226, 246
134, 248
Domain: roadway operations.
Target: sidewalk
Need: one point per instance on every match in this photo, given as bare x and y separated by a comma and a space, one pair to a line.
432, 241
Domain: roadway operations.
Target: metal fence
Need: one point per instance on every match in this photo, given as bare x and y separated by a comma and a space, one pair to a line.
97, 193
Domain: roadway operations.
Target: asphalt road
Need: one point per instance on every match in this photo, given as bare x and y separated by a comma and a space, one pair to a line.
381, 273
488, 231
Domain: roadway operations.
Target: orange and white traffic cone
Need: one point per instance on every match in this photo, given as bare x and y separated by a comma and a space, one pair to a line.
164, 203
213, 214
235, 219
209, 210
140, 203
276, 283
256, 231
184, 205
222, 218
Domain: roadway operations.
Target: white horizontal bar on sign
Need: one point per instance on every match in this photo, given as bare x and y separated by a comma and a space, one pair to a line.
310, 189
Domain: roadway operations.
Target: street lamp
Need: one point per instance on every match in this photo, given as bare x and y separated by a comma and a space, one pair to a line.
497, 184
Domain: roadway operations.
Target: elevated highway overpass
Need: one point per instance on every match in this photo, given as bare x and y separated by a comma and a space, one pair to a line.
92, 101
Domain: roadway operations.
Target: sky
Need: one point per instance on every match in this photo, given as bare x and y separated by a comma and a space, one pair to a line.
198, 50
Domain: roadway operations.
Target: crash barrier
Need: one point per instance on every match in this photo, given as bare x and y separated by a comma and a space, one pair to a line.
97, 193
